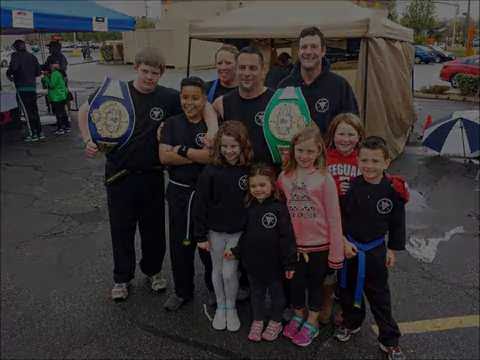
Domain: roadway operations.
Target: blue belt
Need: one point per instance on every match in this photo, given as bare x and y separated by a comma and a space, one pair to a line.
362, 248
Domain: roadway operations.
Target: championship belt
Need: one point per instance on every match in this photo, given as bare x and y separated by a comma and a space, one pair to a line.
286, 114
111, 116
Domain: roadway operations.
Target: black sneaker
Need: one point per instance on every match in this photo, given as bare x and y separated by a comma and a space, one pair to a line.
59, 132
343, 334
174, 302
393, 352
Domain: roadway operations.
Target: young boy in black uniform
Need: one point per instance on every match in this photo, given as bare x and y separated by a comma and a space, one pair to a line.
183, 149
372, 209
134, 177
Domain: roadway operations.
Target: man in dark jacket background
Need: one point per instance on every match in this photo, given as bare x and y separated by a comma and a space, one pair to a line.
23, 71
327, 94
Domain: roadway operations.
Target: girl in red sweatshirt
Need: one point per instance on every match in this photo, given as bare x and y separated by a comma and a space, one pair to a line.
313, 206
343, 137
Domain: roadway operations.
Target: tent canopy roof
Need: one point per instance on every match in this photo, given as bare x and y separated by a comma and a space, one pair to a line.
336, 19
65, 16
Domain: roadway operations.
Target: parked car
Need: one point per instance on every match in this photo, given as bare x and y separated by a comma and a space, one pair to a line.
423, 55
469, 65
441, 54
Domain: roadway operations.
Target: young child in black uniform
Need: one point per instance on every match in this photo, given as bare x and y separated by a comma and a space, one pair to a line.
219, 215
267, 249
372, 208
183, 148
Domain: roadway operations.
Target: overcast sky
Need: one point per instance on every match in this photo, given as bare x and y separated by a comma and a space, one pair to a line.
137, 7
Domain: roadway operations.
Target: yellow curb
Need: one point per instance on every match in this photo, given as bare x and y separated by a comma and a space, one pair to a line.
442, 324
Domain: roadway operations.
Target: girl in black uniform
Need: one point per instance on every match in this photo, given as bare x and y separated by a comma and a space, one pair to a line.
267, 249
183, 148
220, 214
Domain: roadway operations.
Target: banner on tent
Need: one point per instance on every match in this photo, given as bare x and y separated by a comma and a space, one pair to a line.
100, 23
22, 19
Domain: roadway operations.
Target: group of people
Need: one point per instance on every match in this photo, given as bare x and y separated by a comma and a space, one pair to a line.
288, 231
23, 70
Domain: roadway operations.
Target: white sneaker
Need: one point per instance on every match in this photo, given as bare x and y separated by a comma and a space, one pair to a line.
233, 322
158, 282
220, 319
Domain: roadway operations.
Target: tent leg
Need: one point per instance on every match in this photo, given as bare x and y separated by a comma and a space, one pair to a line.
188, 55
463, 142
365, 85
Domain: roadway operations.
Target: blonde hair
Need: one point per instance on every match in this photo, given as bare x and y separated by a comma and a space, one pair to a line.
311, 132
348, 118
228, 48
239, 132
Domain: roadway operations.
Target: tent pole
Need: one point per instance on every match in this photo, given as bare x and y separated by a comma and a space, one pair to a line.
188, 55
365, 86
463, 142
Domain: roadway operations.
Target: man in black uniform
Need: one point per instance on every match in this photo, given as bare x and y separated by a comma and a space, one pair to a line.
247, 103
373, 207
326, 93
23, 71
134, 177
183, 149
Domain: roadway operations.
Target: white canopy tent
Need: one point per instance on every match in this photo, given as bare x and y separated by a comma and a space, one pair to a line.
384, 74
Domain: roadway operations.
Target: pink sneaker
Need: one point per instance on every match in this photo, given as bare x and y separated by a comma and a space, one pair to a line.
293, 326
272, 331
305, 336
256, 329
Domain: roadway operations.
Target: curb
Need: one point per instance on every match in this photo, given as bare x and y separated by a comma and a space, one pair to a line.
452, 97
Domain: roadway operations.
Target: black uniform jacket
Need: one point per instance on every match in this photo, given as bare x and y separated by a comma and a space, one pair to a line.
23, 69
327, 96
220, 200
267, 246
373, 210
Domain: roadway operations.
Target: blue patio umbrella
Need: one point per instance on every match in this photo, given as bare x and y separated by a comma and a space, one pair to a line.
458, 134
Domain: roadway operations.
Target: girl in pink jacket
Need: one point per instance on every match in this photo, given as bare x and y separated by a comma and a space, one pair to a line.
312, 201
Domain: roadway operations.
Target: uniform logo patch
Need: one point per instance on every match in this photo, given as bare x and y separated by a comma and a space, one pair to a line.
269, 220
259, 118
156, 113
200, 139
384, 206
242, 182
322, 105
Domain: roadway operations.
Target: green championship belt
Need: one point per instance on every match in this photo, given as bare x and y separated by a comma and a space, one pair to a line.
286, 114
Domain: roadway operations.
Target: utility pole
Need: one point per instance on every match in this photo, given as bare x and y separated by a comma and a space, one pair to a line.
457, 11
467, 25
146, 9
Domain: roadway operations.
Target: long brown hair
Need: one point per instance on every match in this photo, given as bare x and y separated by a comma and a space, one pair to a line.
263, 169
309, 133
238, 131
348, 118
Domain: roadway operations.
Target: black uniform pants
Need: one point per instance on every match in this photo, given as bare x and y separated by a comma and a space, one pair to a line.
28, 102
377, 292
182, 253
60, 111
258, 292
309, 275
135, 199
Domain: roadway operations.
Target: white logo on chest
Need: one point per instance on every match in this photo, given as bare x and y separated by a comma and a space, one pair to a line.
242, 182
156, 113
200, 139
322, 105
384, 206
269, 220
259, 118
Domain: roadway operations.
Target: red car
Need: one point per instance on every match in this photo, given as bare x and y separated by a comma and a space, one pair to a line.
469, 65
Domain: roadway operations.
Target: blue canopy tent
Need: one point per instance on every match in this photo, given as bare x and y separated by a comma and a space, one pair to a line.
24, 17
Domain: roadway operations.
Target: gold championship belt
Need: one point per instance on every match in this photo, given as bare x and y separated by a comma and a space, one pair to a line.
111, 116
286, 114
